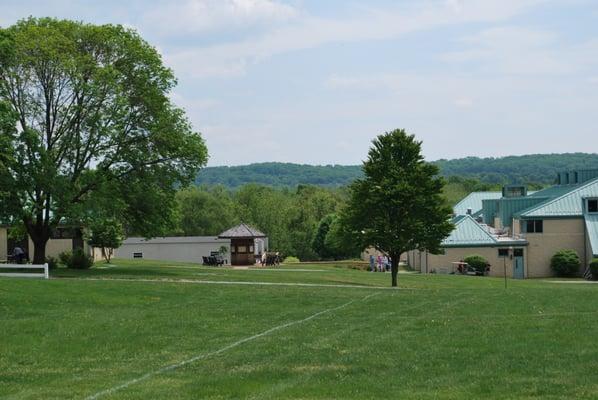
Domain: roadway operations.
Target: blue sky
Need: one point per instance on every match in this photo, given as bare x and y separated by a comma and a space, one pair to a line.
314, 81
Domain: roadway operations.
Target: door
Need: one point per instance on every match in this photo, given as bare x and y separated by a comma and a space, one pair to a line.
518, 265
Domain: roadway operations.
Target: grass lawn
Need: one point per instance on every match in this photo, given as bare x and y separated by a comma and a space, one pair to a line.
155, 330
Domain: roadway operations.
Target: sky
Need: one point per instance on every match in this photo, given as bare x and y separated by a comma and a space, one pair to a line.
315, 81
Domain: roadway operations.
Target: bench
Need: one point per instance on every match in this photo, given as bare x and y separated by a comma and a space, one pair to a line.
213, 260
45, 274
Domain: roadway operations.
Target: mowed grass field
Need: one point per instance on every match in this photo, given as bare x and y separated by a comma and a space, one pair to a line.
156, 330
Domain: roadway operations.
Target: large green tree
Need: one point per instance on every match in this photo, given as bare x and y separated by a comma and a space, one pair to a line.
205, 211
398, 206
96, 132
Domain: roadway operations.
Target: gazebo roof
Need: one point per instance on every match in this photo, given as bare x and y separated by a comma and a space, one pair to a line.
241, 231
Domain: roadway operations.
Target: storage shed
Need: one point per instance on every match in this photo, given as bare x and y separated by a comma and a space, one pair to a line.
243, 243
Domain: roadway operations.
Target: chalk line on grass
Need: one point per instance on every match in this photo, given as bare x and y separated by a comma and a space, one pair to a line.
222, 350
250, 283
288, 269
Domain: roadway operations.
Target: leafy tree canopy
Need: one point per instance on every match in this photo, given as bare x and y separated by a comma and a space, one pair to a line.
95, 129
106, 234
398, 206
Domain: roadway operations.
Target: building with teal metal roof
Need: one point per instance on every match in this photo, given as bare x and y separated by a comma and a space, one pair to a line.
472, 203
592, 229
526, 229
568, 204
468, 232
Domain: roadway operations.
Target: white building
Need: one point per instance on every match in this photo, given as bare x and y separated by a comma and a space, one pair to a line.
178, 248
243, 245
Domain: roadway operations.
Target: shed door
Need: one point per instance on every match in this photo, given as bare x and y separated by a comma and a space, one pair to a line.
518, 264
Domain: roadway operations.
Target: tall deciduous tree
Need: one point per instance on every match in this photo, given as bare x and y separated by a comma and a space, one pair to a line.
318, 243
398, 206
95, 129
205, 211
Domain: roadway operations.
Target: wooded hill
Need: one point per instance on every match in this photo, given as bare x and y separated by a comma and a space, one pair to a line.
533, 168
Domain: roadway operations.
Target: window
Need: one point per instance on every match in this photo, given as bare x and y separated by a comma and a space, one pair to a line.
503, 252
593, 205
518, 252
137, 255
242, 249
535, 226
514, 191
63, 233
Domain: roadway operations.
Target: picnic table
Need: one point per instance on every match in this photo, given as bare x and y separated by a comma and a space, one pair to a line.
215, 260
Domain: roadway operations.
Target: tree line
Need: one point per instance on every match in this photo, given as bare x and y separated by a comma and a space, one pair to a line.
300, 222
527, 169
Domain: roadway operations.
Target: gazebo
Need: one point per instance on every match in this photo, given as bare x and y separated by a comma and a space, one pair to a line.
242, 243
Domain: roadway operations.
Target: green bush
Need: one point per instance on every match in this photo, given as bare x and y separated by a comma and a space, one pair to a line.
65, 258
291, 260
594, 269
52, 262
565, 263
476, 261
76, 259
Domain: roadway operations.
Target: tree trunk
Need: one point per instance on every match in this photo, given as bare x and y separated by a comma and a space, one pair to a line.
39, 236
39, 250
394, 270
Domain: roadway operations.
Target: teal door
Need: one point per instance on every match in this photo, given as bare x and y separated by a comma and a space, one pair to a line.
518, 268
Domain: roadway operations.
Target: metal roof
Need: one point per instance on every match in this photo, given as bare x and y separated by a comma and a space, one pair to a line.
241, 231
509, 207
173, 239
568, 204
592, 227
473, 201
554, 191
468, 232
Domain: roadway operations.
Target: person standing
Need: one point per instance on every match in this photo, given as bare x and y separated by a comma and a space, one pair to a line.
19, 254
372, 263
385, 263
264, 258
380, 263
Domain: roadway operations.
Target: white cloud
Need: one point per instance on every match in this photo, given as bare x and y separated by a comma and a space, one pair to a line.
309, 32
200, 16
464, 102
521, 51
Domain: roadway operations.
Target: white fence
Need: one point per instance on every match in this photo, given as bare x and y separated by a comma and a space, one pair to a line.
45, 274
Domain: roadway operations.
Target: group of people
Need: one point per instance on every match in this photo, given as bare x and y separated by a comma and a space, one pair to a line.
267, 259
381, 263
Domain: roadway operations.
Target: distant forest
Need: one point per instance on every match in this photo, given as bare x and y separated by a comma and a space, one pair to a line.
535, 168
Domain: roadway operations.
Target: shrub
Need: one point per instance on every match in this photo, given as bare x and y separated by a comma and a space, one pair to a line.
76, 259
477, 262
594, 269
565, 263
52, 262
65, 258
290, 260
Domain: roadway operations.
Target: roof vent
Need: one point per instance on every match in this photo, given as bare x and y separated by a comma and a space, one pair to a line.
469, 211
510, 191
